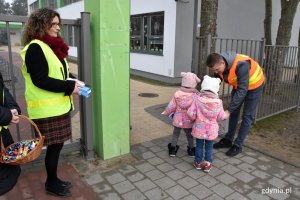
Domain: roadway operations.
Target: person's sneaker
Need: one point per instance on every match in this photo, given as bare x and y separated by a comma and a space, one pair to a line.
223, 143
172, 150
191, 151
234, 150
207, 167
198, 165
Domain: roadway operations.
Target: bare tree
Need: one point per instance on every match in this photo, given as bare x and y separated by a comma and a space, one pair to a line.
208, 20
268, 22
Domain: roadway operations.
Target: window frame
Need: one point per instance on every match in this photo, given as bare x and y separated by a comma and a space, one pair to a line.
145, 37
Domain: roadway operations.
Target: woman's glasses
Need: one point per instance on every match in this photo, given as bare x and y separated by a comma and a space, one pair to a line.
54, 24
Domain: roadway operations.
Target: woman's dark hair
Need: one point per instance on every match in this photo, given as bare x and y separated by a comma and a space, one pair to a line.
38, 23
213, 59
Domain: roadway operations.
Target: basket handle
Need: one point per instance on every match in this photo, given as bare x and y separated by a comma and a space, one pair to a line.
31, 122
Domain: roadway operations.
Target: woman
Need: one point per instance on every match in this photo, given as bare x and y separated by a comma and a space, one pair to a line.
48, 92
9, 111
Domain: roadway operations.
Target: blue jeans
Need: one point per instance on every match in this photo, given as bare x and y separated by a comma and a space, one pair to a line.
199, 150
250, 103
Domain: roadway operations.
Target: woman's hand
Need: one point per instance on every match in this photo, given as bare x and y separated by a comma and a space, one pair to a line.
15, 116
76, 90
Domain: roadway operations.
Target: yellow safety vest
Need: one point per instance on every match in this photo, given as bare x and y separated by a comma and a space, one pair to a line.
42, 103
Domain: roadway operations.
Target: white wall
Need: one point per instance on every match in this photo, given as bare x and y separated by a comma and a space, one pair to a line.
162, 65
71, 11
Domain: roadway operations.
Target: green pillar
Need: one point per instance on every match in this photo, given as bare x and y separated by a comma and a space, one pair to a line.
41, 3
110, 76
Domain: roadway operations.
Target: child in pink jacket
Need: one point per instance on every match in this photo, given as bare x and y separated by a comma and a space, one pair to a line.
206, 110
177, 107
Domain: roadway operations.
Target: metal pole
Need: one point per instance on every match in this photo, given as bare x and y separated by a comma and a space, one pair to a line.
194, 67
84, 69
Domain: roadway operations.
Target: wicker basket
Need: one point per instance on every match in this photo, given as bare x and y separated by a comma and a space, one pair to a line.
32, 155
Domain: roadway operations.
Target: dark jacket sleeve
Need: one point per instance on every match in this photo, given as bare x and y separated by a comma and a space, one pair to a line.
9, 103
242, 72
37, 67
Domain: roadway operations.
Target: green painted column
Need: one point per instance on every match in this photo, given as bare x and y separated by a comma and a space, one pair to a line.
41, 3
110, 76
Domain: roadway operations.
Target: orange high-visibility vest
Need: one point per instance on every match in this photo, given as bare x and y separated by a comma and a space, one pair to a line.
256, 75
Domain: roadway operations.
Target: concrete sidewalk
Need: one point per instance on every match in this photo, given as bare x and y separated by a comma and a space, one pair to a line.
149, 173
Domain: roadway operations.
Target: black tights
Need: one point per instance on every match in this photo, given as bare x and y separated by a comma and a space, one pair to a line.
51, 161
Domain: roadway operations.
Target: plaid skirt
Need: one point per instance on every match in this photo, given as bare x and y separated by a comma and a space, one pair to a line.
55, 129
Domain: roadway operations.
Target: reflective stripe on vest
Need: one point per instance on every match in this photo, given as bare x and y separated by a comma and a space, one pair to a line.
42, 103
256, 74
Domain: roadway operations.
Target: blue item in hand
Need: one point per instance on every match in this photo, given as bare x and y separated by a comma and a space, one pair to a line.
85, 91
171, 116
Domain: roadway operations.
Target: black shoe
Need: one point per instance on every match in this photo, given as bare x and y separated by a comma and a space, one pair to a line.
64, 184
234, 150
172, 150
58, 191
191, 151
223, 143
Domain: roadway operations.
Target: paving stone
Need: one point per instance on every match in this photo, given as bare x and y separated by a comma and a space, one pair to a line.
264, 159
162, 154
261, 174
279, 196
177, 192
156, 194
190, 197
165, 167
233, 161
200, 191
184, 166
241, 187
220, 155
165, 183
187, 182
148, 144
195, 174
101, 188
215, 171
244, 176
127, 169
156, 149
155, 161
147, 155
123, 187
293, 180
254, 195
208, 181
175, 174
264, 167
144, 167
278, 182
173, 160
222, 190
93, 179
154, 174
145, 185
248, 159
236, 196
226, 178
134, 195
246, 167
109, 196
230, 169
135, 176
279, 173
250, 153
219, 163
214, 197
115, 178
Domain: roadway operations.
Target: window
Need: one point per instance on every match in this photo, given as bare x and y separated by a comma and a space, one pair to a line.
34, 6
67, 2
50, 4
146, 33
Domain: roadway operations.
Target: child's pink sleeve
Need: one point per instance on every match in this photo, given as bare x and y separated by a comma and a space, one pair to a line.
221, 115
192, 111
171, 107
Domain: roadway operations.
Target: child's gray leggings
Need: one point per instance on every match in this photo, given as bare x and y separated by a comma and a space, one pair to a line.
189, 137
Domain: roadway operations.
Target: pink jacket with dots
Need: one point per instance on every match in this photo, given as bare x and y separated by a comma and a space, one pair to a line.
207, 109
179, 104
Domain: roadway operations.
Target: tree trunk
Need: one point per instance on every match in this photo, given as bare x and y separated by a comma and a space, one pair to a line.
209, 11
268, 22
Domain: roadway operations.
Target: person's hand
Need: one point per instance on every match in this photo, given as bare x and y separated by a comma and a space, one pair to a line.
15, 116
227, 114
76, 90
80, 83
